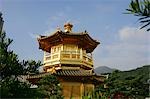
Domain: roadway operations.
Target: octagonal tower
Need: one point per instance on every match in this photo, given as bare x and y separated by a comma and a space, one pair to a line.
67, 50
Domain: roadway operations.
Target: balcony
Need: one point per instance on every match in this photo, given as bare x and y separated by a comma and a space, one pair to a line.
68, 57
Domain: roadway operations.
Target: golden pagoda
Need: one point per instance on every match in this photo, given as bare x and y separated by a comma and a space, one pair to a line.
68, 56
67, 50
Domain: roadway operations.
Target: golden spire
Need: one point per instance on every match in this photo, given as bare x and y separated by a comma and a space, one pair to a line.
68, 27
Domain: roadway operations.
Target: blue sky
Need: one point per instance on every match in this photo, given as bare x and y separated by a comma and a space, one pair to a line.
123, 45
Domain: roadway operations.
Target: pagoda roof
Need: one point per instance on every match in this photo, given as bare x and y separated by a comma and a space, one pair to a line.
75, 73
83, 40
69, 74
66, 72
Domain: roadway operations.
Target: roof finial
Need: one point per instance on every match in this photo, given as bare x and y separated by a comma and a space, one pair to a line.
58, 28
68, 27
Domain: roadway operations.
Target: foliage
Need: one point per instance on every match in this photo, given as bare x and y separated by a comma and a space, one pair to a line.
11, 69
8, 58
12, 88
91, 95
141, 8
95, 95
10, 64
31, 66
49, 87
99, 93
130, 83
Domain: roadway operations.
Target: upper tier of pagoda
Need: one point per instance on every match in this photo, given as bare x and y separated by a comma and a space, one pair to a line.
83, 40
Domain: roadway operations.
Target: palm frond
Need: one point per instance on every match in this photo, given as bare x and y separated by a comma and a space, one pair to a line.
140, 8
144, 21
143, 17
145, 26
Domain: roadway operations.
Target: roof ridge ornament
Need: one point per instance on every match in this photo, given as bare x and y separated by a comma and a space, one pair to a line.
68, 27
58, 29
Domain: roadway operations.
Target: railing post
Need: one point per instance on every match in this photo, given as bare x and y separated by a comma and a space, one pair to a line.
70, 54
59, 55
81, 54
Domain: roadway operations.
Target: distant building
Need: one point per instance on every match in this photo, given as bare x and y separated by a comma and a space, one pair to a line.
68, 55
1, 22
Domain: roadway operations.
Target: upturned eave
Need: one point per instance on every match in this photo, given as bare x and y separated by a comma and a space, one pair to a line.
82, 39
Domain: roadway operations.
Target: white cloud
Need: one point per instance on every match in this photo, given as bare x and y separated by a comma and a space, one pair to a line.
33, 35
133, 34
131, 50
58, 17
58, 20
105, 8
55, 21
50, 31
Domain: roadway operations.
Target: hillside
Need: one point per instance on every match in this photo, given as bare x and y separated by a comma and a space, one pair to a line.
141, 71
134, 83
103, 69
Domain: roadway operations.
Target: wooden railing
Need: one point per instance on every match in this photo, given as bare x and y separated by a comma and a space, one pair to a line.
68, 57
